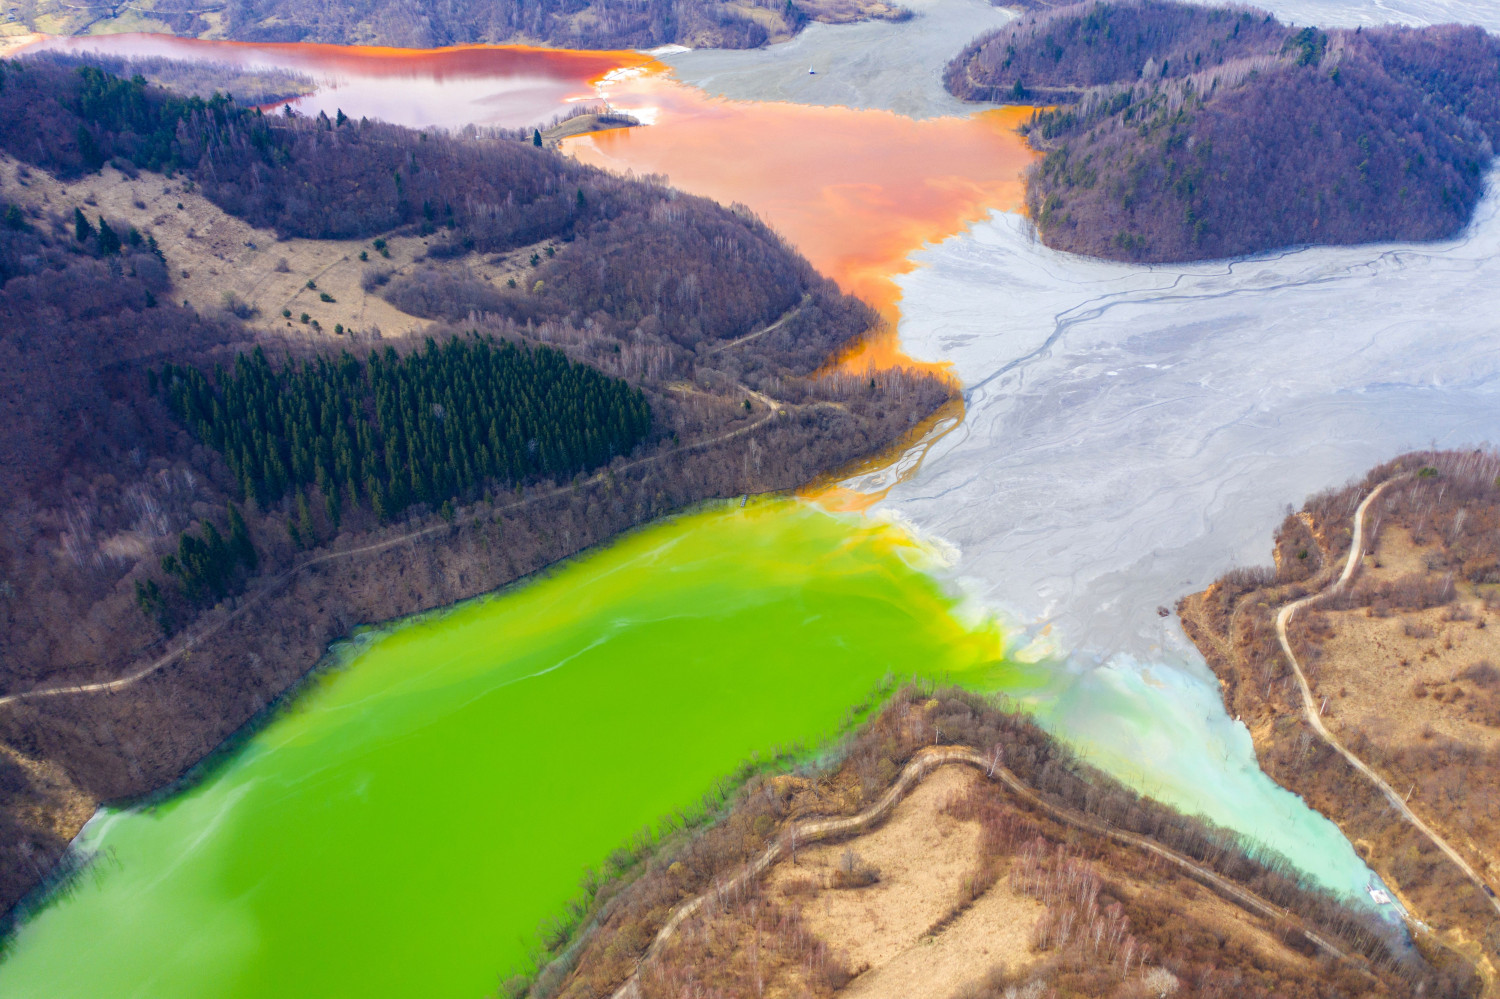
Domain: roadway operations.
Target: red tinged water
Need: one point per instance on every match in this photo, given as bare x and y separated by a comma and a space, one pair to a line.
855, 190
498, 85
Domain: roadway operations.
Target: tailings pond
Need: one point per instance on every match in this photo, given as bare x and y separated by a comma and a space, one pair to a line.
405, 824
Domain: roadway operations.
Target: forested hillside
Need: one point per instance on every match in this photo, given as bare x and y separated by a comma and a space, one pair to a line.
253, 86
1186, 132
428, 428
174, 480
698, 267
590, 24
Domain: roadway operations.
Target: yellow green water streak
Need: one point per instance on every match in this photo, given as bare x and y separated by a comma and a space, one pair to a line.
405, 824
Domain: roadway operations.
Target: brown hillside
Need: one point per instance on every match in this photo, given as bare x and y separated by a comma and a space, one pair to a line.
1399, 663
919, 870
109, 273
1179, 131
586, 24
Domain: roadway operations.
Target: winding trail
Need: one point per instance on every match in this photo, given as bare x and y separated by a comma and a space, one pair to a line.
774, 409
924, 763
785, 318
1315, 718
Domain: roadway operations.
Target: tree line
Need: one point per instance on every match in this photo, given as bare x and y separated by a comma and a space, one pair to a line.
205, 568
393, 431
585, 24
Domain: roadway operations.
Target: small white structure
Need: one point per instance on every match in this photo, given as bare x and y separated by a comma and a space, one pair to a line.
1379, 896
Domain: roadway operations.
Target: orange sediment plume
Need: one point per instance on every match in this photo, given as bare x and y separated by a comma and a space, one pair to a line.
856, 191
366, 60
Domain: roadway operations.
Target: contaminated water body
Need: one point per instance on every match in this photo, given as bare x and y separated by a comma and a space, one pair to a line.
1130, 432
507, 86
403, 826
856, 191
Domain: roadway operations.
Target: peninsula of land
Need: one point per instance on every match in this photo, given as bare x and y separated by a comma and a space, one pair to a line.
1175, 131
1364, 666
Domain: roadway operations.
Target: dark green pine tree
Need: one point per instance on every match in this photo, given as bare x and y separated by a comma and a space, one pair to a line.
83, 231
240, 545
434, 426
305, 522
109, 240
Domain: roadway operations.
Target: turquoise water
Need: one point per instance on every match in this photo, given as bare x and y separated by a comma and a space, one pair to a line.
1162, 730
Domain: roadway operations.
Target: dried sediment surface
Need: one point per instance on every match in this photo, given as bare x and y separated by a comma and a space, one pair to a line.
890, 66
1105, 399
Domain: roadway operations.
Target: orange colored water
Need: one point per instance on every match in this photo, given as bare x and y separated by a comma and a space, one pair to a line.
502, 85
855, 191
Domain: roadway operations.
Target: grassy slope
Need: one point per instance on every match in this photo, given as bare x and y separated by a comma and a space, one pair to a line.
796, 930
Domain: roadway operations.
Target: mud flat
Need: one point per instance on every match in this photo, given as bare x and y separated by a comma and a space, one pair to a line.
1356, 13
875, 64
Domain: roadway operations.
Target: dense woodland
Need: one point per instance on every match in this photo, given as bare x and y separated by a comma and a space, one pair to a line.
574, 23
434, 427
640, 248
134, 514
431, 427
621, 909
251, 86
1187, 132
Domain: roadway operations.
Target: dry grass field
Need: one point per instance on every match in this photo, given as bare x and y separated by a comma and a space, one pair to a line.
972, 885
1401, 664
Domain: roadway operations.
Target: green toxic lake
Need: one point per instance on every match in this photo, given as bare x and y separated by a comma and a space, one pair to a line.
403, 825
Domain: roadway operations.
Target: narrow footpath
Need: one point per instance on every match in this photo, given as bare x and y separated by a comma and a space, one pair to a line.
923, 764
774, 409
